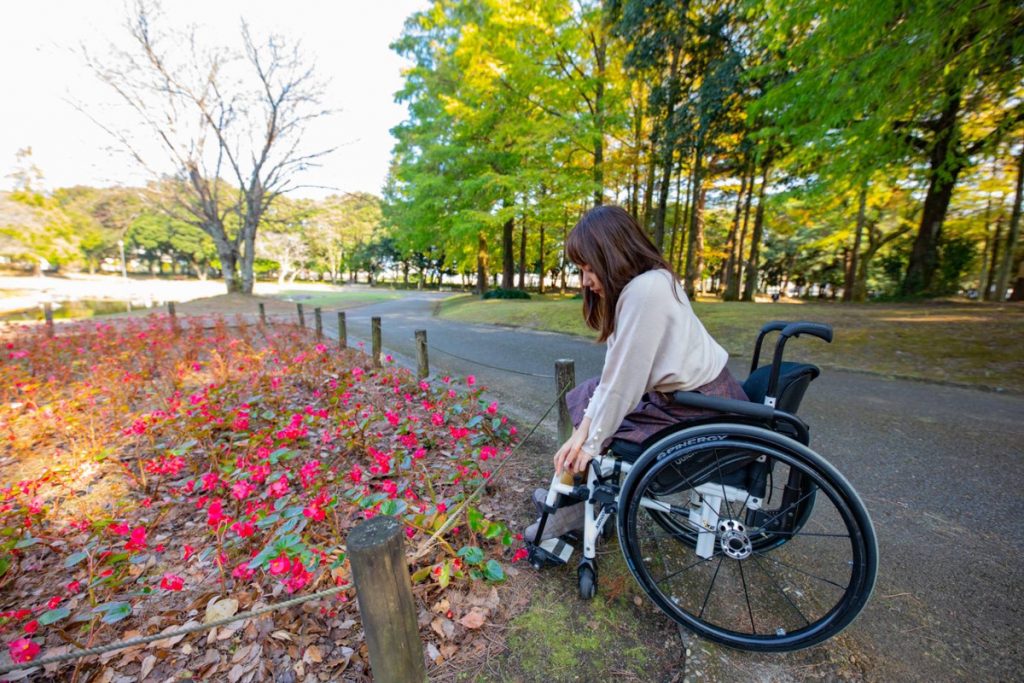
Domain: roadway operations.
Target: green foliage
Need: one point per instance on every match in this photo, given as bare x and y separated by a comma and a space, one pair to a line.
500, 293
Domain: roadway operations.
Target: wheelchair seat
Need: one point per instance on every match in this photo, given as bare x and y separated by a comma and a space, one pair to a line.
794, 378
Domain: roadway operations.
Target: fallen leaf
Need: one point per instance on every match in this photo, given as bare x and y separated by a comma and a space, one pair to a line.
281, 635
242, 653
147, 666
475, 619
312, 655
236, 673
433, 653
168, 643
442, 606
443, 627
448, 649
220, 609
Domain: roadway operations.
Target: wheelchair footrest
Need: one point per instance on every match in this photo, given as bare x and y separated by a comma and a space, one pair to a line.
549, 553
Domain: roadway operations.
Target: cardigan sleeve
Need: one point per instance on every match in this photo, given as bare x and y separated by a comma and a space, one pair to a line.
640, 325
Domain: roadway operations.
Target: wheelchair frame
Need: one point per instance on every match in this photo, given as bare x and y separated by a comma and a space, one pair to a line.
724, 519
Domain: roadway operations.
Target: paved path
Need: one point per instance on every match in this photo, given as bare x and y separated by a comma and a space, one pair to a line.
938, 467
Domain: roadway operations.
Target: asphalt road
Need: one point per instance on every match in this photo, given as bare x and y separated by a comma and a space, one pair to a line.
939, 468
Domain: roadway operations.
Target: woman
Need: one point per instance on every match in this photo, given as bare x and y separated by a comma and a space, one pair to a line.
655, 346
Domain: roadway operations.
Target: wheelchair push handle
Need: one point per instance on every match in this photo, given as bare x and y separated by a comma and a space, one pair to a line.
788, 329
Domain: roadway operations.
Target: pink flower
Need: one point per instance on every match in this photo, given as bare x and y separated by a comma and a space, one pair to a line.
119, 529
470, 380
493, 408
314, 512
280, 565
424, 385
437, 419
137, 540
242, 489
22, 650
320, 348
244, 529
189, 550
280, 487
410, 532
419, 453
355, 475
172, 582
215, 513
32, 626
243, 572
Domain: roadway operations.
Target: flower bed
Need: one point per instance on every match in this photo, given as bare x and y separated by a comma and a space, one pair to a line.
150, 473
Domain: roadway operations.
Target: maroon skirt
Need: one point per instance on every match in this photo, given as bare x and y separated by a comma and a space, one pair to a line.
656, 410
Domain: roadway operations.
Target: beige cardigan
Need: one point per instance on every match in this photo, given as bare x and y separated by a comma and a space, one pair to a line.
658, 345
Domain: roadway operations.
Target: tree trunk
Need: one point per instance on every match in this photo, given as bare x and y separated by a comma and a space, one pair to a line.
675, 216
730, 242
542, 268
481, 264
508, 254
750, 286
1003, 278
247, 260
945, 164
522, 252
649, 186
600, 58
990, 284
695, 238
850, 284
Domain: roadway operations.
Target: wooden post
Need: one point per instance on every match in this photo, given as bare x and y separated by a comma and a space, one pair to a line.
375, 338
422, 361
263, 314
565, 380
174, 317
302, 315
342, 331
319, 323
48, 316
381, 578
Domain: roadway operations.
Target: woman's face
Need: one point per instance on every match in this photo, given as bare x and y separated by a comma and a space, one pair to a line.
590, 281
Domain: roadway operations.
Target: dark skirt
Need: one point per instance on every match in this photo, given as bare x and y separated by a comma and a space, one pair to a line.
655, 410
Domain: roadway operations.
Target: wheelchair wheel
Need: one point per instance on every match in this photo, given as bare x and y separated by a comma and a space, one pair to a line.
779, 571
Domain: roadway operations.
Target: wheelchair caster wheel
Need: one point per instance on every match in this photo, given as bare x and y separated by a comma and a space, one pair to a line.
587, 575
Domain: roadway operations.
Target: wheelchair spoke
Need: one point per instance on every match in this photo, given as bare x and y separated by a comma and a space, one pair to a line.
746, 595
784, 511
798, 570
779, 589
688, 567
710, 587
801, 533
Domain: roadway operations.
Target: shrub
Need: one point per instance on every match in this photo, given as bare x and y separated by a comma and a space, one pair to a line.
501, 293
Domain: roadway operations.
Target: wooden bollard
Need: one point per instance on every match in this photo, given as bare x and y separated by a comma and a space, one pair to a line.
174, 317
318, 323
384, 593
342, 331
302, 315
422, 361
565, 380
375, 340
263, 314
48, 316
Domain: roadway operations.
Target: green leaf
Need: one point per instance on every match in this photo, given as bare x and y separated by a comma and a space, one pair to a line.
493, 571
74, 559
277, 455
339, 563
496, 423
446, 574
420, 574
269, 520
471, 554
26, 542
54, 615
263, 557
113, 611
392, 507
5, 564
476, 520
475, 422
292, 511
493, 531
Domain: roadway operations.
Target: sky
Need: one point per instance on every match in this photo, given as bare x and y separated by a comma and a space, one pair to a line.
46, 83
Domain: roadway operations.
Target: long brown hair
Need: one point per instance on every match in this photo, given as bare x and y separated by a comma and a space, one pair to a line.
613, 245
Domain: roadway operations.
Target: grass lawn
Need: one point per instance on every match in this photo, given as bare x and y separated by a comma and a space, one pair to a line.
319, 297
962, 343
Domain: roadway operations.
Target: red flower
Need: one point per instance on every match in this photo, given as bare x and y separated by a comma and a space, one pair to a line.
189, 551
119, 529
314, 512
23, 650
280, 565
53, 602
215, 513
280, 487
520, 554
73, 587
172, 582
32, 626
493, 408
242, 490
243, 572
244, 529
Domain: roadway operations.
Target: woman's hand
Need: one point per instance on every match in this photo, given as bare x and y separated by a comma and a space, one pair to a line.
571, 457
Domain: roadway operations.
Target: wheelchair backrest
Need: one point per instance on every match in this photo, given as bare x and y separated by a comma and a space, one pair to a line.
794, 378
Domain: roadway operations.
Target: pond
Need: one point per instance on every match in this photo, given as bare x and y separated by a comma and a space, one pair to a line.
79, 308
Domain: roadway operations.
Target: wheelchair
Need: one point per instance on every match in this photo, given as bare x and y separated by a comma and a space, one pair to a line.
731, 524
